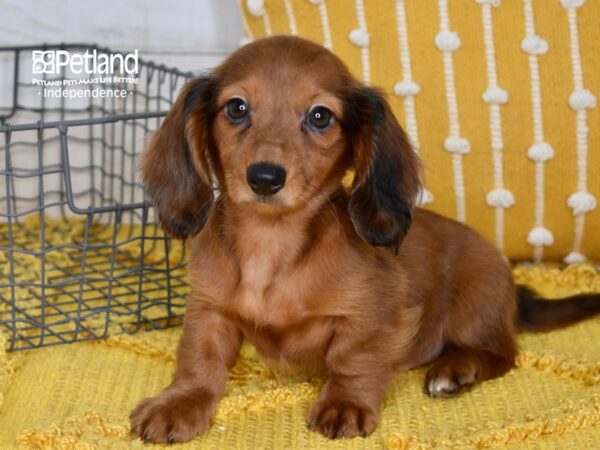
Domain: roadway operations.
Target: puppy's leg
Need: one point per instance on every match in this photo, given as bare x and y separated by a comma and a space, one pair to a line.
479, 330
209, 346
350, 401
459, 368
348, 406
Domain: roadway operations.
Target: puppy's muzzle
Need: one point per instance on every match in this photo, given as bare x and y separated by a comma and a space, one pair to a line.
264, 178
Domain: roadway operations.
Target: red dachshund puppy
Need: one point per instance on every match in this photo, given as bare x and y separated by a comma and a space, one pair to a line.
316, 276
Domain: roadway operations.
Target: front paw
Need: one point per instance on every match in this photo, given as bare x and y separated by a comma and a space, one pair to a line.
173, 416
341, 419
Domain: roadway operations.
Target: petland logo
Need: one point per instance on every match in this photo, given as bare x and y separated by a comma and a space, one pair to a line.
89, 74
53, 62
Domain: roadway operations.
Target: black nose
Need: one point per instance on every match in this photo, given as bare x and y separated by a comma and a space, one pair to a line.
265, 178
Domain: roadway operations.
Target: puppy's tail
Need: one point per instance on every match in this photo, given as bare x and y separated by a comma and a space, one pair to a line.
537, 314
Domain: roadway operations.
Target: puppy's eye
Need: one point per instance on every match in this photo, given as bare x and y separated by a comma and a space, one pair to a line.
320, 118
236, 110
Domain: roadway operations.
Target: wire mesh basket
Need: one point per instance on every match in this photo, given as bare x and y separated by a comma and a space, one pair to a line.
80, 254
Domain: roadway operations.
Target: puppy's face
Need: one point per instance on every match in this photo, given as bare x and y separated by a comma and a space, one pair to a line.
277, 125
280, 139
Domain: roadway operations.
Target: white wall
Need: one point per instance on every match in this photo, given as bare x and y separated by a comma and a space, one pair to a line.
189, 34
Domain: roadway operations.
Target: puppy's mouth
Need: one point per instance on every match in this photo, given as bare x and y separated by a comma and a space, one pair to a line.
266, 199
269, 204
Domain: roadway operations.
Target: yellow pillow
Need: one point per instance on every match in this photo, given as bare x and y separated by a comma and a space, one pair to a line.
498, 98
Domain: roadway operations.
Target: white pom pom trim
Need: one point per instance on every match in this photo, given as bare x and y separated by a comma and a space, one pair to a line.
447, 41
540, 152
540, 236
495, 95
359, 37
256, 7
500, 198
572, 3
582, 99
489, 2
574, 258
534, 45
455, 144
424, 197
406, 88
581, 202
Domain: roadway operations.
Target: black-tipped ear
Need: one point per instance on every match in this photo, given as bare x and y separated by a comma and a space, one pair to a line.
175, 167
387, 170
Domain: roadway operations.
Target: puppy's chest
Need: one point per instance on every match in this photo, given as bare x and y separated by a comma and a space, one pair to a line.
271, 305
267, 294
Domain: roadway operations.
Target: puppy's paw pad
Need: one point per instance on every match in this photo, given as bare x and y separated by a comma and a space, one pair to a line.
341, 419
170, 418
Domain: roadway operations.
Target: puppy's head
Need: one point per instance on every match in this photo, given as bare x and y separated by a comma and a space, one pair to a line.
276, 126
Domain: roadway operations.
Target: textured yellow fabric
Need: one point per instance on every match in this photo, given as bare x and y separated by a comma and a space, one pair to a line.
470, 71
78, 396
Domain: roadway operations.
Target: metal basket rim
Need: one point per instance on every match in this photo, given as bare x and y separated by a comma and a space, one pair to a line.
63, 125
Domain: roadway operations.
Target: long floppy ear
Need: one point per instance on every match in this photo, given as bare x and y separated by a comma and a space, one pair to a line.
387, 170
175, 166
